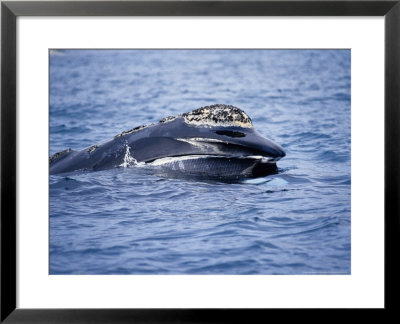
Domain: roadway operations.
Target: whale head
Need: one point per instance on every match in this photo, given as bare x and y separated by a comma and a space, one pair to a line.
217, 131
231, 126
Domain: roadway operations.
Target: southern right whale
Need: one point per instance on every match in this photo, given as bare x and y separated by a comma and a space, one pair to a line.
212, 141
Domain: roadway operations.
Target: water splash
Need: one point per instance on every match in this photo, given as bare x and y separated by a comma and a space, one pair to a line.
255, 181
129, 160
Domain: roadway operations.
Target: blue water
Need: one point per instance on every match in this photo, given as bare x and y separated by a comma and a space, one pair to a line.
122, 221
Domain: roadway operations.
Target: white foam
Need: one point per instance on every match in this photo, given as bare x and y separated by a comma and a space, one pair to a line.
129, 160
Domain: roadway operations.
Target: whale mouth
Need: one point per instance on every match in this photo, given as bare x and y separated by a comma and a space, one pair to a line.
170, 159
216, 166
268, 151
232, 155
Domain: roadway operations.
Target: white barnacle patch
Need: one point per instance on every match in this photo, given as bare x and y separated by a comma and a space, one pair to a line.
58, 155
133, 130
167, 119
92, 148
218, 115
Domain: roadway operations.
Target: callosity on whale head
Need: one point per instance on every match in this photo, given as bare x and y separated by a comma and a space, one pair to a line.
215, 141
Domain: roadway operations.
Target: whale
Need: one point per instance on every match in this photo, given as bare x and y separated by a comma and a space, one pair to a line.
212, 141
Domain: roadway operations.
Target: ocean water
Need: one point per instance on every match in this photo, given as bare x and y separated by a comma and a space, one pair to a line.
123, 221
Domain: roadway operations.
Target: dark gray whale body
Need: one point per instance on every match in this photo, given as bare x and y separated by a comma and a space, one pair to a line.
214, 141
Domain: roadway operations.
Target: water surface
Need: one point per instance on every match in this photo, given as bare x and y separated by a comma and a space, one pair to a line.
123, 221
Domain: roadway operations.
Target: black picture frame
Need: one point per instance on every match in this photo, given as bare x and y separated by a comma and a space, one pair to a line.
10, 10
